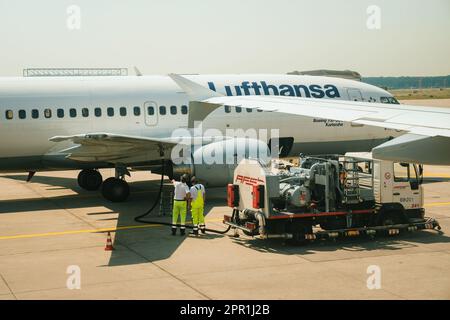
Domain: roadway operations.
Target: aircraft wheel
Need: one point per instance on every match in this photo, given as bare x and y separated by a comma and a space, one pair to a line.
115, 190
90, 179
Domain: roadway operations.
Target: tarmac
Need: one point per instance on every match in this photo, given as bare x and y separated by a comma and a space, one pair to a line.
49, 227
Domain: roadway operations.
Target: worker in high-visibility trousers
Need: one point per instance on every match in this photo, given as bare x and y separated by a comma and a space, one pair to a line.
181, 197
197, 205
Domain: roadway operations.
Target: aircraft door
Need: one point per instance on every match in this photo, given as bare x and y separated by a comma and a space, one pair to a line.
151, 113
354, 95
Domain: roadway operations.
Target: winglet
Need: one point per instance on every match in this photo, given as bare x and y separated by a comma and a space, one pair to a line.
198, 110
195, 91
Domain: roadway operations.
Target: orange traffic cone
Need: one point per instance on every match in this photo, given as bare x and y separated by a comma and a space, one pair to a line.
109, 246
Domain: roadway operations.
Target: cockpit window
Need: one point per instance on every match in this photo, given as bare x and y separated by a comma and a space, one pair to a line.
389, 100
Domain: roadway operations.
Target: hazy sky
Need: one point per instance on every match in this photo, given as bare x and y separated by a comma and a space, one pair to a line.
227, 36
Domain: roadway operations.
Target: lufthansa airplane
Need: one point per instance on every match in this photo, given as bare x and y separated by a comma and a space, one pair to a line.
126, 122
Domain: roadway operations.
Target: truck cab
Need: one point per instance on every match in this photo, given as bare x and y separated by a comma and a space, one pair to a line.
394, 183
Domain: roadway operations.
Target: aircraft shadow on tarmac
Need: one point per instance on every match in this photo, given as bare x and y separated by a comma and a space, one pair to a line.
153, 243
133, 245
435, 179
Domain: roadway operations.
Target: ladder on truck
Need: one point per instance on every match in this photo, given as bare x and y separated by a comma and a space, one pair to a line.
352, 192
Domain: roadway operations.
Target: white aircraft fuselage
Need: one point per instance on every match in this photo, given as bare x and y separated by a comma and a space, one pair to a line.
32, 110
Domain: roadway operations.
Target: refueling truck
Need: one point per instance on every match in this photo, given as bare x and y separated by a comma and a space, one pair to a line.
327, 197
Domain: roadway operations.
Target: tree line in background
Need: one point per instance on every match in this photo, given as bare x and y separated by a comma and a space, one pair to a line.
409, 82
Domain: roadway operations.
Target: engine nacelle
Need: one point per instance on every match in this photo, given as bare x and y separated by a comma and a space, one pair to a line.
214, 163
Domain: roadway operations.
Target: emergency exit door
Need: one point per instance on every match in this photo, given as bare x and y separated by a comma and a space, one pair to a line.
151, 113
354, 95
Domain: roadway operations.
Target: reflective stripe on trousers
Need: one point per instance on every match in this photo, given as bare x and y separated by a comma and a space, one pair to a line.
179, 209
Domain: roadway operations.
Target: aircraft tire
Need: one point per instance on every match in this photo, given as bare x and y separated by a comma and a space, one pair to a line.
115, 190
90, 179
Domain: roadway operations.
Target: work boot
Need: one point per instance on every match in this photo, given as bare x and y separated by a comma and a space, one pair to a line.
182, 232
174, 231
195, 232
203, 229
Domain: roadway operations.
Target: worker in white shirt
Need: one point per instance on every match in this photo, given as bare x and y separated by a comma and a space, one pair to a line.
197, 205
180, 200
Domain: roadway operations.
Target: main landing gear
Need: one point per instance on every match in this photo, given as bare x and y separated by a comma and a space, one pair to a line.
114, 189
90, 179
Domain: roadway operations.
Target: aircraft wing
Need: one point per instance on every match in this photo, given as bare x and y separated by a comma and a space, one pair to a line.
114, 148
427, 129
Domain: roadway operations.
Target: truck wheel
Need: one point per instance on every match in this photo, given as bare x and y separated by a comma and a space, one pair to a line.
298, 233
298, 239
250, 234
392, 217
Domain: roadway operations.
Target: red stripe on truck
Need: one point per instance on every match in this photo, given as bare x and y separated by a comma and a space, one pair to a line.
320, 214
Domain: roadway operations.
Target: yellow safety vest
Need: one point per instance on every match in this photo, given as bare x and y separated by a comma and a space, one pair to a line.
198, 202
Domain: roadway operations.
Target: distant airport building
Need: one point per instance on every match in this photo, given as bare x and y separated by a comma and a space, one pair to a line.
74, 72
346, 74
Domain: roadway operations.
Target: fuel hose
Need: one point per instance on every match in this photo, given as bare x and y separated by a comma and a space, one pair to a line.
141, 219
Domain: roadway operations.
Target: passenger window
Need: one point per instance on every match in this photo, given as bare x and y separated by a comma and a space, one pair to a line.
238, 109
110, 112
151, 111
173, 110
259, 110
249, 110
98, 112
123, 111
184, 110
60, 113
162, 110
85, 112
47, 113
22, 114
227, 109
9, 114
73, 112
137, 111
35, 113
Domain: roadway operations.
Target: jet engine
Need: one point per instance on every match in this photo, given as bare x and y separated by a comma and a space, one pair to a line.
214, 163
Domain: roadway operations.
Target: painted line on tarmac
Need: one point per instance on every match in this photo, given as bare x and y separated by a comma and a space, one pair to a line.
51, 234
436, 175
437, 204
100, 230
